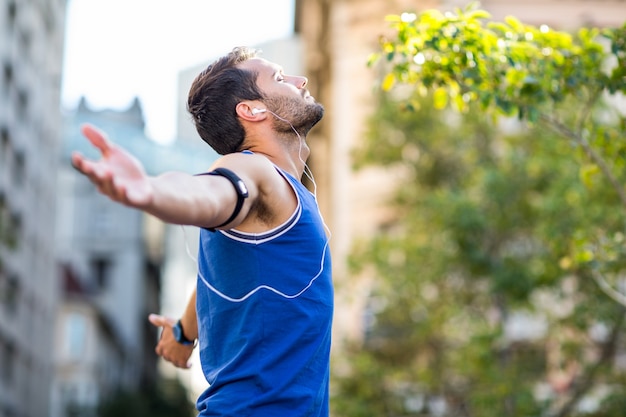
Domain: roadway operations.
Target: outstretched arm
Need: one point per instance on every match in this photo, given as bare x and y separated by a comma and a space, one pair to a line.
174, 197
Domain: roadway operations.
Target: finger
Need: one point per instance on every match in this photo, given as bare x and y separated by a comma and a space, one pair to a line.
183, 364
91, 169
118, 191
96, 137
161, 321
158, 321
78, 162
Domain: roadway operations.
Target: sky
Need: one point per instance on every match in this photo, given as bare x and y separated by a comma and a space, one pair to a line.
116, 50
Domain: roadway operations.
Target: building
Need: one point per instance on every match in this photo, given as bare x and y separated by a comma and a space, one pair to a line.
31, 51
110, 261
109, 278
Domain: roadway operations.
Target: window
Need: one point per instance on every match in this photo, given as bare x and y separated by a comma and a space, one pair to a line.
75, 336
22, 104
4, 220
5, 139
12, 294
11, 13
3, 284
7, 361
101, 271
102, 222
7, 76
19, 168
13, 231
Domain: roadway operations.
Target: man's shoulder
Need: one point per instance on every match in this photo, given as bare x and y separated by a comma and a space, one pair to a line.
274, 198
254, 169
245, 162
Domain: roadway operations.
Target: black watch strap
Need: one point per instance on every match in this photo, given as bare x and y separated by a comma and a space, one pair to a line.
179, 334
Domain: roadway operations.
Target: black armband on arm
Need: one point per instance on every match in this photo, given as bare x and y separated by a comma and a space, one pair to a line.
240, 189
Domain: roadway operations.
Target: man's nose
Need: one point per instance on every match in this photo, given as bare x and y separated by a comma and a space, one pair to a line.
299, 81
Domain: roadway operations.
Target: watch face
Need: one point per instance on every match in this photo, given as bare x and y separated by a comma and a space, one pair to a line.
178, 334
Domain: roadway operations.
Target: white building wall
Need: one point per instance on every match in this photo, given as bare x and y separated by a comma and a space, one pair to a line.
31, 50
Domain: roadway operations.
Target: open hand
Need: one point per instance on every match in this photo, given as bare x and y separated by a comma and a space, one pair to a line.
117, 174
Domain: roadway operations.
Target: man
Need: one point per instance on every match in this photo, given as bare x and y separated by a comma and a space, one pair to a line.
264, 297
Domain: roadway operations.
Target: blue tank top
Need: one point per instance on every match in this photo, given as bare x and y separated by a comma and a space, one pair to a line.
265, 353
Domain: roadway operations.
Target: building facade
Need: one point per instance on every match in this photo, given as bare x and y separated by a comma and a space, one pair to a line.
109, 277
31, 51
110, 261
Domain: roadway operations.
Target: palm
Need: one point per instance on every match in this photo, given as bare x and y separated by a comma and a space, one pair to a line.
117, 174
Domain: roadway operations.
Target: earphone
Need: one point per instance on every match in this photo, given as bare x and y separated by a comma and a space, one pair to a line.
257, 111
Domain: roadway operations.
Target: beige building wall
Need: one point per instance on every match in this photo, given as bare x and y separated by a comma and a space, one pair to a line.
338, 36
560, 14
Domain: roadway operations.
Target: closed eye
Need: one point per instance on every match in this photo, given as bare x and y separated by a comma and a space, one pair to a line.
279, 76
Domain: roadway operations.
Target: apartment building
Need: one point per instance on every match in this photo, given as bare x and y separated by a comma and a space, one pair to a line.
31, 51
111, 260
109, 275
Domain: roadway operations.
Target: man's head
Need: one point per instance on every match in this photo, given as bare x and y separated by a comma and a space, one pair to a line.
215, 93
242, 77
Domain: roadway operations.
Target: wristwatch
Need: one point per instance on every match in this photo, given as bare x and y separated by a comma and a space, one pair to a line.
179, 335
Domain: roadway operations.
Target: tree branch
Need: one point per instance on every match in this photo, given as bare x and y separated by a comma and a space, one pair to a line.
585, 382
593, 155
617, 296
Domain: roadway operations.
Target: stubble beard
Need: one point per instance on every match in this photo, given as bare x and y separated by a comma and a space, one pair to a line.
301, 114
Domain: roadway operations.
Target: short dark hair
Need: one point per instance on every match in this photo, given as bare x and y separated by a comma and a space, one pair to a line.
213, 98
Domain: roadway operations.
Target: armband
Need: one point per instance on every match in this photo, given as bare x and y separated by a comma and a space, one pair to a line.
240, 189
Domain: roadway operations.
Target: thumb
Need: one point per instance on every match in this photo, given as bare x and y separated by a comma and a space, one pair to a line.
161, 321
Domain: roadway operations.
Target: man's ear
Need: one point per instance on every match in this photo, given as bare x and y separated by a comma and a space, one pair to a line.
249, 110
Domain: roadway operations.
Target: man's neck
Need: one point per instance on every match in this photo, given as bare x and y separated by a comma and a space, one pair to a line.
289, 155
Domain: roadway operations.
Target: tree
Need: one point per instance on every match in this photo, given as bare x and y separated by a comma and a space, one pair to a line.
492, 227
486, 223
543, 77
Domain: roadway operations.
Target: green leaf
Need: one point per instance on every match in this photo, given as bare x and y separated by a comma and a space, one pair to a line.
388, 82
588, 173
440, 98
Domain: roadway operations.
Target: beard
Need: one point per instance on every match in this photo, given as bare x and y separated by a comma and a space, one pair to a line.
296, 113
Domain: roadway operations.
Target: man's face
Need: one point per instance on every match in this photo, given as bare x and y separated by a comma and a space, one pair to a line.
286, 96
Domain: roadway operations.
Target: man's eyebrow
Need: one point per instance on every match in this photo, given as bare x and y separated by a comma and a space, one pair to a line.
277, 71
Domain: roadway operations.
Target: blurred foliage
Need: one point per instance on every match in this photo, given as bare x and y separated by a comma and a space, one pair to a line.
168, 398
509, 68
511, 212
490, 227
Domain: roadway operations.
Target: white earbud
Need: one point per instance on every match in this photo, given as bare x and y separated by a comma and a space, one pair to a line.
257, 111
